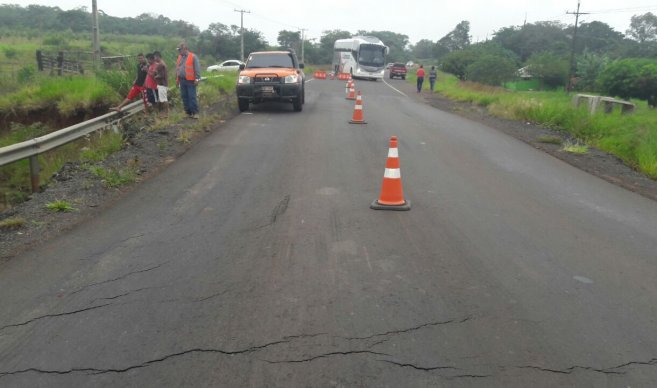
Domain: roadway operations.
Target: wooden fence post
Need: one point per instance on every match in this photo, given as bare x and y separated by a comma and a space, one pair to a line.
60, 62
39, 58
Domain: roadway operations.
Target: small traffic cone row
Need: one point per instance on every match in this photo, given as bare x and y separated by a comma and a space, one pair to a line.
357, 118
392, 194
347, 87
352, 92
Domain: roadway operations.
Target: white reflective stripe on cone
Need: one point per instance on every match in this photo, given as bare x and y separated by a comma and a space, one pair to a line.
393, 152
358, 107
392, 173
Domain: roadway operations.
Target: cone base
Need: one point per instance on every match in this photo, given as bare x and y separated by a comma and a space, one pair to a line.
357, 122
404, 207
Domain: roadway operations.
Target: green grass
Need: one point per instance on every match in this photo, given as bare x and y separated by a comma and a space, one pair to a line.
12, 223
68, 94
575, 148
60, 207
631, 137
102, 144
114, 177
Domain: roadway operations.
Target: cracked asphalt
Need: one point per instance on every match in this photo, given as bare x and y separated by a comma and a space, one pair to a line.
254, 260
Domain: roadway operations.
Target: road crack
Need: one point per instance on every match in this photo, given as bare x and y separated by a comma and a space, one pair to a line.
611, 370
325, 355
98, 371
118, 278
54, 316
403, 331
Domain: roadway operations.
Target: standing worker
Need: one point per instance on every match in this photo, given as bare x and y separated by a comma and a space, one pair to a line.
188, 75
162, 79
432, 77
420, 78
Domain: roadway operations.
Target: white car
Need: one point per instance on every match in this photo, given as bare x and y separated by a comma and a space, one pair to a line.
230, 65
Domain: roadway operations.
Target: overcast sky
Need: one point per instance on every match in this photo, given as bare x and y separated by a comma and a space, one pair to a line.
419, 19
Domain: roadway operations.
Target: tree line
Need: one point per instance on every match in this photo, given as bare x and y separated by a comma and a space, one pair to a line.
605, 58
598, 58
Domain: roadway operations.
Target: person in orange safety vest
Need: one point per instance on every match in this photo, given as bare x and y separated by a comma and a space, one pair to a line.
188, 75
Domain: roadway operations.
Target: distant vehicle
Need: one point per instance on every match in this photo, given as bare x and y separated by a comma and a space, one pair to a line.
271, 76
389, 65
398, 70
360, 56
410, 64
230, 65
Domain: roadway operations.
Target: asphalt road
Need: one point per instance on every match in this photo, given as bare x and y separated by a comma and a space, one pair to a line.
255, 260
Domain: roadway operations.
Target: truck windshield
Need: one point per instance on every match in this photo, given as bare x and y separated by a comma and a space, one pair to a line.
269, 60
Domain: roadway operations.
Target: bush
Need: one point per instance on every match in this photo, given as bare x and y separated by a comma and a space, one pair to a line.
631, 78
551, 69
26, 73
491, 70
10, 52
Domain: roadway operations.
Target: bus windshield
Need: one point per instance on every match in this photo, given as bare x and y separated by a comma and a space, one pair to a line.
371, 55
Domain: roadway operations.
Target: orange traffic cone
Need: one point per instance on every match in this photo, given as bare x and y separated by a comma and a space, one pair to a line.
357, 118
392, 195
352, 93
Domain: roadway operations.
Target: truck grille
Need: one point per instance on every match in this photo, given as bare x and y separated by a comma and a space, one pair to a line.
267, 80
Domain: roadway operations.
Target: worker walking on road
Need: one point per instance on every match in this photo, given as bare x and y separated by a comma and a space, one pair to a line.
433, 74
420, 78
188, 75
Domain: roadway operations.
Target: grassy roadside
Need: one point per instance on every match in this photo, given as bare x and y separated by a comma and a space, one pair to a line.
15, 180
632, 138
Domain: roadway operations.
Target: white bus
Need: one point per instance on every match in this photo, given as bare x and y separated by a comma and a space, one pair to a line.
360, 56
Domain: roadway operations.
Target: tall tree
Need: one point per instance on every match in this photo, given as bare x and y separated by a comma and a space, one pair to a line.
533, 38
326, 43
643, 28
290, 39
458, 38
597, 37
423, 49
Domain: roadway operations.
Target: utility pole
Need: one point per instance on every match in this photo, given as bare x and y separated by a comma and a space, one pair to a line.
303, 30
242, 12
572, 70
95, 32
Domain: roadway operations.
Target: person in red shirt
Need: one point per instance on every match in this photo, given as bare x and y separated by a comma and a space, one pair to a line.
151, 84
420, 78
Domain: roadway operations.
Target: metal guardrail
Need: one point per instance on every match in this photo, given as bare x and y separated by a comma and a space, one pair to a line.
32, 148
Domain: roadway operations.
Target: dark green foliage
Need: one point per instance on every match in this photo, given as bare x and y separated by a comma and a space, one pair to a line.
10, 53
551, 69
26, 73
533, 38
643, 28
458, 62
491, 70
589, 67
631, 78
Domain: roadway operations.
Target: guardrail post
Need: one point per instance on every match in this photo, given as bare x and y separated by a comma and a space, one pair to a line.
34, 173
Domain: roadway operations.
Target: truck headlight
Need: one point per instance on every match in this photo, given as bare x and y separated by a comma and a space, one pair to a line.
243, 79
292, 79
